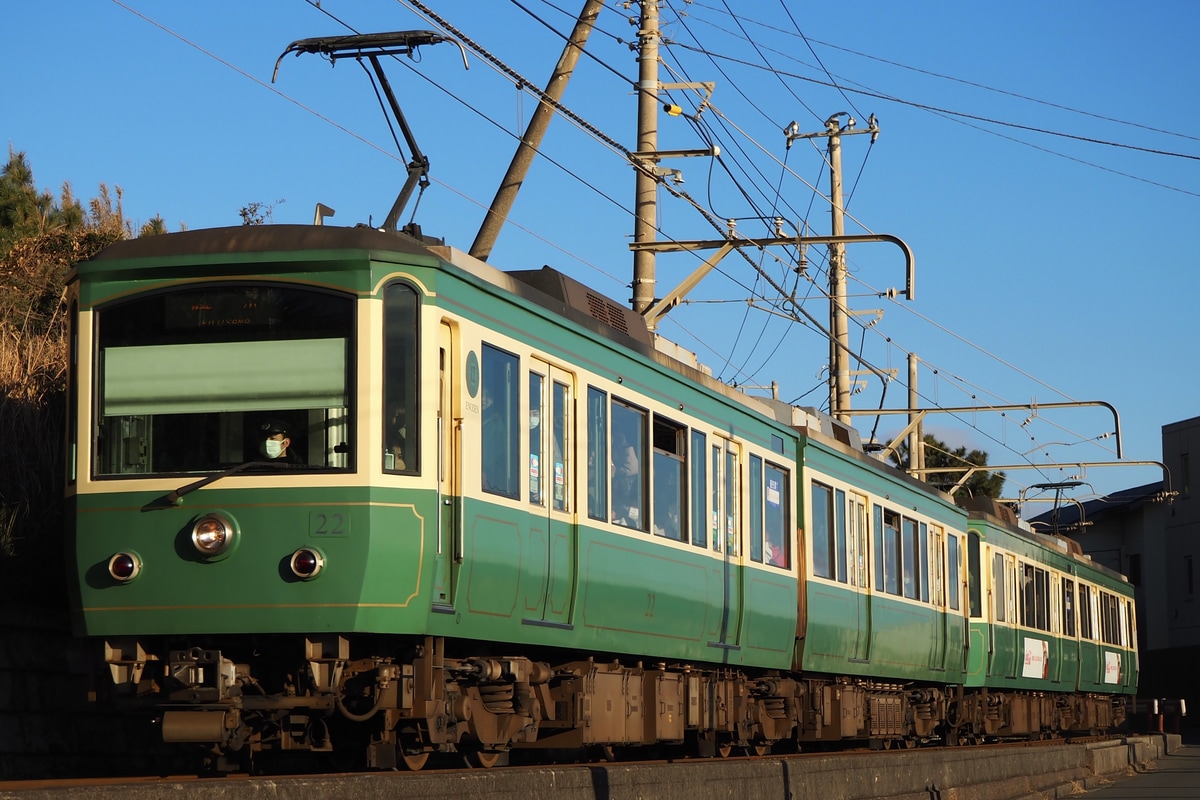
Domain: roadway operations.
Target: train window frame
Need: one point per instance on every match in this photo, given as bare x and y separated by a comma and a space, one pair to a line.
628, 485
858, 541
597, 454
1069, 607
669, 478
975, 574
535, 472
500, 429
732, 499
776, 480
999, 595
699, 491
224, 333
756, 508
953, 569
401, 433
822, 530
840, 533
562, 424
935, 552
769, 542
1087, 627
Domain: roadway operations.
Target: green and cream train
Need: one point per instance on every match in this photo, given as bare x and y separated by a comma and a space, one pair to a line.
336, 489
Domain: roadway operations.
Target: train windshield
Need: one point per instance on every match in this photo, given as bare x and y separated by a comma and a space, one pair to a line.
207, 377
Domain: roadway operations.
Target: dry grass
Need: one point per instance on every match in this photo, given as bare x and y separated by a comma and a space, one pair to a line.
33, 371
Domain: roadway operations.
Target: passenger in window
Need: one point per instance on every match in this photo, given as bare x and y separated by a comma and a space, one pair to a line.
397, 435
626, 494
276, 442
495, 448
666, 502
776, 551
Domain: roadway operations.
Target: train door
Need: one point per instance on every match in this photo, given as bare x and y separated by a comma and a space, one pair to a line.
1054, 667
1003, 622
937, 553
727, 529
551, 487
448, 547
859, 572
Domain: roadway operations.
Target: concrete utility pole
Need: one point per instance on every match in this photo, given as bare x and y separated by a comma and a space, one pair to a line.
916, 438
840, 383
646, 187
506, 195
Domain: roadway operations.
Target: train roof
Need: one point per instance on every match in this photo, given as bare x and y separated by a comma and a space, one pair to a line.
545, 287
992, 512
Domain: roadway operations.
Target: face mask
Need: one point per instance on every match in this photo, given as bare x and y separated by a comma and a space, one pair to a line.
272, 448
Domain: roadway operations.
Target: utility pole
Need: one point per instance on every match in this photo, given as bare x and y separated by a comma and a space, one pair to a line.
506, 195
646, 187
916, 438
839, 345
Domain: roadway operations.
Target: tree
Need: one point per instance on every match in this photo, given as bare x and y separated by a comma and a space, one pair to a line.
939, 454
25, 212
257, 213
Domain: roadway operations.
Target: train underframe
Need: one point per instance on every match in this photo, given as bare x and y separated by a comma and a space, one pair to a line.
402, 709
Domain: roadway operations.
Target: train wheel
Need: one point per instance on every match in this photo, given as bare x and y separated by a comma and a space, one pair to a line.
414, 762
485, 759
760, 748
724, 749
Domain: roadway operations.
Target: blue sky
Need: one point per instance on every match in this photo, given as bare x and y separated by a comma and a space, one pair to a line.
1041, 159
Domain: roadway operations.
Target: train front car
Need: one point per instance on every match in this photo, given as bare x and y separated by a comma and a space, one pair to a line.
223, 486
338, 489
1053, 647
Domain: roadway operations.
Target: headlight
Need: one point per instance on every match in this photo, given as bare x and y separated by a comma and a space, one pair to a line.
213, 535
124, 567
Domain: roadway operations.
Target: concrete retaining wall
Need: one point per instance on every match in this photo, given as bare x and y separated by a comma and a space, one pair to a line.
47, 726
931, 773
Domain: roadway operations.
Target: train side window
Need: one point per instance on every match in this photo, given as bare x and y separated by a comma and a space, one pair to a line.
715, 518
910, 559
878, 548
756, 512
1068, 604
891, 552
1054, 596
1086, 628
768, 516
952, 570
1130, 623
629, 456
699, 495
775, 517
857, 543
974, 576
669, 482
998, 594
923, 567
400, 378
733, 533
822, 530
1035, 598
933, 550
500, 445
537, 409
597, 453
1042, 597
561, 423
839, 540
